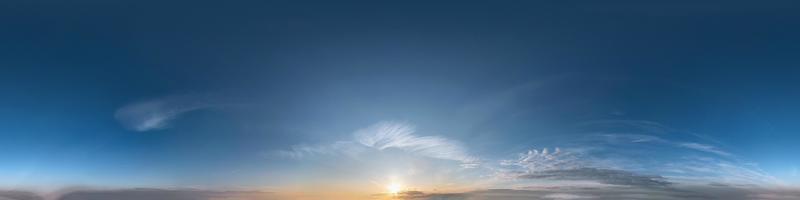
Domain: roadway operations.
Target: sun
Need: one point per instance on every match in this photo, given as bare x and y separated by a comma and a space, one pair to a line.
394, 188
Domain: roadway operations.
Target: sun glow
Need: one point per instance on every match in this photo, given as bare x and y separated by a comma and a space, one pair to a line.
394, 188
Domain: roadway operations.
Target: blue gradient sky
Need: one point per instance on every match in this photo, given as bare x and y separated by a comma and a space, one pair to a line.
258, 94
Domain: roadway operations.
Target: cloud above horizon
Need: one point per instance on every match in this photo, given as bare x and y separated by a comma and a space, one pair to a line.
705, 148
156, 114
607, 176
388, 135
611, 157
697, 192
139, 194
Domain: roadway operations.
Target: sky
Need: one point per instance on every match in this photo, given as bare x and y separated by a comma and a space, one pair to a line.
417, 99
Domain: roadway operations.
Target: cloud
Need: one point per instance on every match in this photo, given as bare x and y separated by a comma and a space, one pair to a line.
619, 155
564, 196
634, 138
620, 125
705, 148
570, 166
535, 160
698, 169
18, 195
164, 194
613, 193
337, 148
606, 158
142, 193
637, 138
635, 145
607, 176
386, 135
156, 114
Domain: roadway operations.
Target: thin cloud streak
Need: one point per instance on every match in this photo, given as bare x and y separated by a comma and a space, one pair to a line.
386, 135
156, 114
338, 148
535, 160
607, 176
705, 148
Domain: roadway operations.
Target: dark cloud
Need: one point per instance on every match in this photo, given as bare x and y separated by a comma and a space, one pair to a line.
608, 176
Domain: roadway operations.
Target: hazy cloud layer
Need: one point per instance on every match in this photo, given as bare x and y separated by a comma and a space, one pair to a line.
616, 158
141, 194
18, 195
614, 193
346, 148
634, 154
607, 176
155, 114
705, 148
642, 155
388, 135
385, 135
544, 160
661, 150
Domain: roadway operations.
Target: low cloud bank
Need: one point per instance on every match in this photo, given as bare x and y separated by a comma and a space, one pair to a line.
142, 194
607, 176
613, 193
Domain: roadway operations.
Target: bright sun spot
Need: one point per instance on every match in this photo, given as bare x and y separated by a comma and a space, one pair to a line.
394, 188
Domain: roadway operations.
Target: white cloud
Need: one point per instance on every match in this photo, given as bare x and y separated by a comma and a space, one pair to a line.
535, 160
385, 135
705, 148
607, 176
622, 152
337, 148
156, 114
388, 135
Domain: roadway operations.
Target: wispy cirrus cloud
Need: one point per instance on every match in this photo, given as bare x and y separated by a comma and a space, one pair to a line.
156, 114
633, 157
535, 160
388, 135
680, 156
607, 176
627, 126
603, 155
337, 148
705, 148
570, 166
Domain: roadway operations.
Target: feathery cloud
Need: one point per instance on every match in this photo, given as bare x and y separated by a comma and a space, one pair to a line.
388, 135
385, 135
705, 148
607, 176
157, 113
337, 148
535, 160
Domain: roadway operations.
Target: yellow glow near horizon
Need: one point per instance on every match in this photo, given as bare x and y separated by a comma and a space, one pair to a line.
394, 188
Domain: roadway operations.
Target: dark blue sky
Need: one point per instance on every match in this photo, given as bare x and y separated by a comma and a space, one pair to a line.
206, 94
